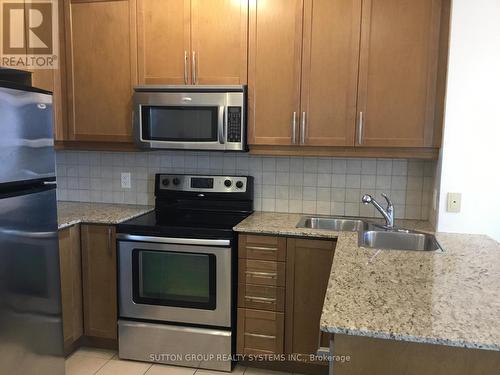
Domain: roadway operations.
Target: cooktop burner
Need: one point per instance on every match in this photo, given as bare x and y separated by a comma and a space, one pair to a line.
195, 207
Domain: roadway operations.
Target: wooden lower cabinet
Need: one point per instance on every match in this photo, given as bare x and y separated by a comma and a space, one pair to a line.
262, 247
99, 281
308, 268
260, 332
261, 272
71, 285
389, 357
261, 297
280, 302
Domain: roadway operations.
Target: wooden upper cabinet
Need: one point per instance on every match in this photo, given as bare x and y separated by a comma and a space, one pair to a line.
49, 79
275, 44
192, 41
101, 69
330, 71
53, 80
219, 42
164, 41
398, 72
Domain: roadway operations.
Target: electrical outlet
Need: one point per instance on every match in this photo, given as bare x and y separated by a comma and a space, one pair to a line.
454, 202
126, 180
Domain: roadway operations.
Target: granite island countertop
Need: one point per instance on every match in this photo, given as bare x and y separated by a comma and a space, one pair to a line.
71, 213
450, 298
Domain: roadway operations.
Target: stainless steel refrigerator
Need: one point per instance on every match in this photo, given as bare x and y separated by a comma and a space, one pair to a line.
31, 338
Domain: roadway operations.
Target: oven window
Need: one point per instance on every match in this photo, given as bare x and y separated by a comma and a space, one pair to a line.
178, 124
177, 279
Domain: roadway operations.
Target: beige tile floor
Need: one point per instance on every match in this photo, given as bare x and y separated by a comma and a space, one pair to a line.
91, 361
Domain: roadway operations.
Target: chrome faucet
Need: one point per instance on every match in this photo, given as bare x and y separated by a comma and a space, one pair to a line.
388, 213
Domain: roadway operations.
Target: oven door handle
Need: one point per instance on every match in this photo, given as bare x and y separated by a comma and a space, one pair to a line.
177, 241
222, 125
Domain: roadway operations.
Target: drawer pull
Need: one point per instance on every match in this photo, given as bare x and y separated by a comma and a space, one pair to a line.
323, 352
261, 299
260, 248
260, 336
269, 275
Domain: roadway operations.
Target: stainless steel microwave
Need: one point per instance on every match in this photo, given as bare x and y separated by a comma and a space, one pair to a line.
190, 117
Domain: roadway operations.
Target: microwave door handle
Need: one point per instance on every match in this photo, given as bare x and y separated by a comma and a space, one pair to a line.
222, 124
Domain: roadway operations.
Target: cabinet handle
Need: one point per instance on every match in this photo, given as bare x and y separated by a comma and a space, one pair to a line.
360, 129
303, 129
323, 352
259, 248
194, 68
294, 128
269, 275
186, 77
222, 125
261, 299
260, 336
110, 235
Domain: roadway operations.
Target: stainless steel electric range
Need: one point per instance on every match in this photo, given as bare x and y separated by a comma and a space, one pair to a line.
177, 272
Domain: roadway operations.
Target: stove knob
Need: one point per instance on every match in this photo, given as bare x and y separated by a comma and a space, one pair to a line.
227, 183
165, 182
239, 184
176, 181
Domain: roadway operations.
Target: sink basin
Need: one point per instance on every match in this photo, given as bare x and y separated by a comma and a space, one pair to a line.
332, 223
399, 240
374, 235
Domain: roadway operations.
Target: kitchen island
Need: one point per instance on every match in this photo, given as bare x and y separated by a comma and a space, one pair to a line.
445, 303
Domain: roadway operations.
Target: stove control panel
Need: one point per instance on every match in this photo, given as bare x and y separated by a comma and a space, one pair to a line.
213, 184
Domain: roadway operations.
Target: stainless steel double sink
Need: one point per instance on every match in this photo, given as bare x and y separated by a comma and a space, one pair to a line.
373, 235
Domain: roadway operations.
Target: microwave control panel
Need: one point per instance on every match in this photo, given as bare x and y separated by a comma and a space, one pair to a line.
234, 124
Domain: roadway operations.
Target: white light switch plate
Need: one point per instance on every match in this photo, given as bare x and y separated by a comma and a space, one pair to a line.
126, 181
454, 202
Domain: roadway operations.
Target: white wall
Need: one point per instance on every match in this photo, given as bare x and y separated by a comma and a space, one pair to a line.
471, 145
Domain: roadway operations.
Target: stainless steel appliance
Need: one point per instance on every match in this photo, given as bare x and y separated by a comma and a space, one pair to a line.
31, 338
177, 272
190, 117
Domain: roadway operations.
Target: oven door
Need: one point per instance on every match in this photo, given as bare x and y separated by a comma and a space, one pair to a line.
176, 120
175, 280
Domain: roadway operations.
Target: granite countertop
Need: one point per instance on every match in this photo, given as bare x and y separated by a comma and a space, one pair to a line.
71, 213
450, 298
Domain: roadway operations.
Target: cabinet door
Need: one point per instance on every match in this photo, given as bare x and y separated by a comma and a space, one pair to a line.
71, 284
398, 68
101, 69
309, 264
53, 80
219, 42
330, 71
49, 79
99, 281
275, 44
163, 41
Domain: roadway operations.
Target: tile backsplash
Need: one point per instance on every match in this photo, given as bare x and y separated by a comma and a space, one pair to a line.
282, 184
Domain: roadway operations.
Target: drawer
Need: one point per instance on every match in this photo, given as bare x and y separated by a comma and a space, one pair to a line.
262, 247
260, 332
261, 297
261, 272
